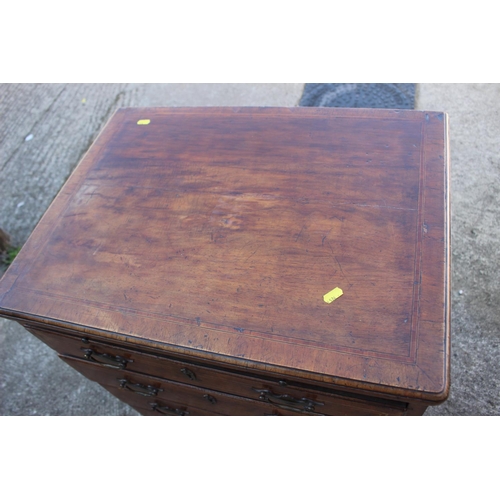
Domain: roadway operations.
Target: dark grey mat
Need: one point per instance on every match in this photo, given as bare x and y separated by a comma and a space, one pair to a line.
359, 95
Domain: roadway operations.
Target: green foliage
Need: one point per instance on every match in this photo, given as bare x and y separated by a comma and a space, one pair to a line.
10, 255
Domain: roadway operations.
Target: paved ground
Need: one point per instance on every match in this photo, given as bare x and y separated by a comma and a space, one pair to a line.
47, 128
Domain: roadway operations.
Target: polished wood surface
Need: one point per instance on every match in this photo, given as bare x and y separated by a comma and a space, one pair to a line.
215, 233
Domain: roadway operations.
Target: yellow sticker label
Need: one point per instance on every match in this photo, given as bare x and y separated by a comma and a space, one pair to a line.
143, 122
332, 295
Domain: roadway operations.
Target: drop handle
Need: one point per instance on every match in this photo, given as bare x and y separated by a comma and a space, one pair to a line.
143, 390
189, 374
287, 400
105, 359
166, 410
210, 398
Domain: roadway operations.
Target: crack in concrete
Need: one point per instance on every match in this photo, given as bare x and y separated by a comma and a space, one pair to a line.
104, 119
32, 129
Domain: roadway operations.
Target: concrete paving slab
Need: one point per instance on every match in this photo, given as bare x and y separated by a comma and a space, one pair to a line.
474, 112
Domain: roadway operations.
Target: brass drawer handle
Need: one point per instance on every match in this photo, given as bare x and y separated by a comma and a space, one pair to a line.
106, 359
165, 410
189, 374
286, 400
143, 390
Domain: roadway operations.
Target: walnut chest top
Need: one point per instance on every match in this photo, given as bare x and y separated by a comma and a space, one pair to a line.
216, 233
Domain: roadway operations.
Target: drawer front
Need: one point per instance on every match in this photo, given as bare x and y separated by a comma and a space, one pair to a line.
165, 407
155, 407
280, 393
165, 397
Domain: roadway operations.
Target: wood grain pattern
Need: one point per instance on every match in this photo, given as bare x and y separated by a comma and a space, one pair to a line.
216, 232
64, 120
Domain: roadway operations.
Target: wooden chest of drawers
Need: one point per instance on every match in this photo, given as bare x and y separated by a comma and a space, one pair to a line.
187, 263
